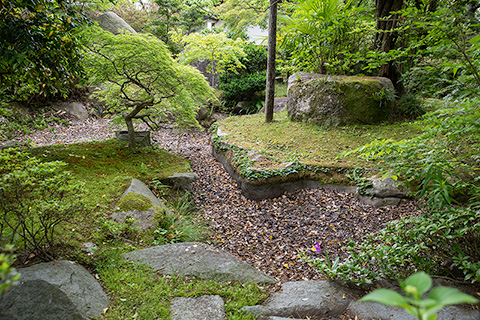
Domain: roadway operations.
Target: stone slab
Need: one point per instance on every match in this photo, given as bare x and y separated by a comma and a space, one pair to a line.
302, 299
201, 308
199, 260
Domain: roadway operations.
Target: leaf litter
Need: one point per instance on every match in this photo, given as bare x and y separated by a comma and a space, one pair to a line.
268, 234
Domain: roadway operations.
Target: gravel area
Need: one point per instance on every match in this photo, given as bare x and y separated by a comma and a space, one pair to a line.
268, 234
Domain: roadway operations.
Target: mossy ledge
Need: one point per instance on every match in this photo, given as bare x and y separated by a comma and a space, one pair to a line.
271, 182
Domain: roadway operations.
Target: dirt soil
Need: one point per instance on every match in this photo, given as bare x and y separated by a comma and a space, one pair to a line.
268, 234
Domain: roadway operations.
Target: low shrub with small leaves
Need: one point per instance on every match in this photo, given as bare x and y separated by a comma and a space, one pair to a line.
35, 198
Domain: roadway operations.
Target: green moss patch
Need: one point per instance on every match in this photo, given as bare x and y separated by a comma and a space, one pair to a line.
106, 169
134, 201
284, 150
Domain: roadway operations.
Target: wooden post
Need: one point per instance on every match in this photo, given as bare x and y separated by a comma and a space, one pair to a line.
272, 44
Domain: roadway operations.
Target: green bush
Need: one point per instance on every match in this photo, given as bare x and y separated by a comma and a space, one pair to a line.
8, 274
437, 166
35, 198
409, 106
243, 84
237, 88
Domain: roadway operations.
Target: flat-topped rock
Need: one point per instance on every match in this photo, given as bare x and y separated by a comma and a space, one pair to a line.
302, 299
199, 260
54, 290
376, 311
201, 308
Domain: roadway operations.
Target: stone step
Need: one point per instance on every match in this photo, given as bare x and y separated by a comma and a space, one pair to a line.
201, 308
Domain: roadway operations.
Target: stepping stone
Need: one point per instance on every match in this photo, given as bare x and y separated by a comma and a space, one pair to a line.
199, 260
302, 299
374, 311
201, 308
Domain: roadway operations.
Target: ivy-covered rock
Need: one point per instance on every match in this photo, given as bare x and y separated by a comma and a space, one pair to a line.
339, 100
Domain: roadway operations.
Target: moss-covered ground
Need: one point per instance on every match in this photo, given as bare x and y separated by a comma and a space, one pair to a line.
136, 292
283, 141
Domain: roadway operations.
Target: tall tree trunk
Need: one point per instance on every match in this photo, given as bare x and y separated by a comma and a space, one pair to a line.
386, 36
272, 46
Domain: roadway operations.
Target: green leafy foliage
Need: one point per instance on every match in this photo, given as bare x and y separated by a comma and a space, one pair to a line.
243, 84
39, 50
35, 198
8, 274
438, 51
325, 36
415, 287
409, 106
180, 223
238, 16
140, 79
221, 52
441, 167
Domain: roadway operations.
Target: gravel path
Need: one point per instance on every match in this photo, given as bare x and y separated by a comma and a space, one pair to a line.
268, 234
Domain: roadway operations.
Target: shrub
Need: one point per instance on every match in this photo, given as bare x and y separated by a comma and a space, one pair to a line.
437, 166
35, 198
180, 224
241, 88
8, 274
410, 107
243, 84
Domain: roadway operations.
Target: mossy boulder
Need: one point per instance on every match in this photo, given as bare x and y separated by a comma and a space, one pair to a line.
339, 100
139, 204
134, 201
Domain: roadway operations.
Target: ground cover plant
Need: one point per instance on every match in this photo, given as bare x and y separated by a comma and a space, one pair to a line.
139, 292
307, 146
441, 167
105, 169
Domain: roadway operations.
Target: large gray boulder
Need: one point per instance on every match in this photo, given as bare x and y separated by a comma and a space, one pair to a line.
111, 22
339, 100
302, 299
199, 260
54, 290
